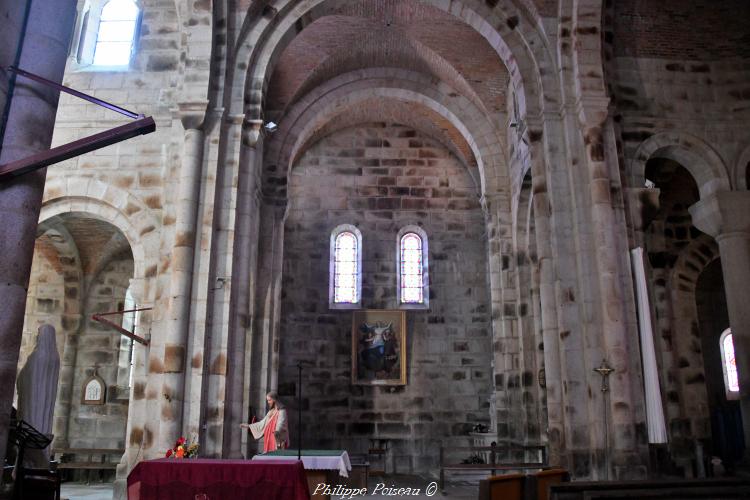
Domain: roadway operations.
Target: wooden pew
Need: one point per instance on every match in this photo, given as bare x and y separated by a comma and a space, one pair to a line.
101, 459
501, 458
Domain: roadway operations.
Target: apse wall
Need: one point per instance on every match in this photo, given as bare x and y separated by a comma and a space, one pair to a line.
381, 178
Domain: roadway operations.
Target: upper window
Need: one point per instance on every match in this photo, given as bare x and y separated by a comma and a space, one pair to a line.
114, 41
108, 32
729, 364
412, 265
345, 268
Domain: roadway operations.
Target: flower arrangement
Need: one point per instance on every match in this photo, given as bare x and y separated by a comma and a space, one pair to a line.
183, 449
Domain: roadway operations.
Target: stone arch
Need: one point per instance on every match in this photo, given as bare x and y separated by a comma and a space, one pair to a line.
741, 175
103, 201
520, 44
693, 153
692, 260
314, 110
687, 370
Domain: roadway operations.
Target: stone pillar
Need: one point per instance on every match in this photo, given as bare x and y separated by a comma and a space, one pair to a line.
264, 348
215, 342
137, 433
614, 335
245, 246
726, 217
552, 368
192, 115
29, 130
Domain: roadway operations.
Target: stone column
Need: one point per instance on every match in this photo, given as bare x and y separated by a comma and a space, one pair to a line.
29, 130
245, 246
726, 217
552, 367
215, 342
137, 432
264, 355
192, 115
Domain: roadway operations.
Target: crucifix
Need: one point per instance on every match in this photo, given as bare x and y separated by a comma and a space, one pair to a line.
605, 371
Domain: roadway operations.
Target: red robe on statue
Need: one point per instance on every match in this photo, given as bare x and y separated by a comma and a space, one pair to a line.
273, 424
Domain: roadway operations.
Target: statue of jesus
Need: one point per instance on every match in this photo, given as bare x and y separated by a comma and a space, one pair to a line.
274, 428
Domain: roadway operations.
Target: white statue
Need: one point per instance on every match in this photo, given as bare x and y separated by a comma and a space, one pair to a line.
37, 391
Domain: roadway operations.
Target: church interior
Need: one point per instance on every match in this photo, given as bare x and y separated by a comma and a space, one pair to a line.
429, 227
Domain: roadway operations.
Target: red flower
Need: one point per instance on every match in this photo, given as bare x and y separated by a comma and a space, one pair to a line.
181, 441
169, 453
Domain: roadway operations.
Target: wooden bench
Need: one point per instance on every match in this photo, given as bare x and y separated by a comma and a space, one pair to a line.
501, 458
534, 486
101, 459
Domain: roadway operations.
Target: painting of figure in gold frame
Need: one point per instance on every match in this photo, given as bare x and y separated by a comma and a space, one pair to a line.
379, 347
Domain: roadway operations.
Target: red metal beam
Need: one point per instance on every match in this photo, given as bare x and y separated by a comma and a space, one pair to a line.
81, 95
77, 148
127, 333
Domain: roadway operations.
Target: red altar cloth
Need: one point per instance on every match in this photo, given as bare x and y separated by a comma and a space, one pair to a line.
180, 479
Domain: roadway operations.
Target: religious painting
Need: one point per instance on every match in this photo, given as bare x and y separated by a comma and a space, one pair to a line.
379, 347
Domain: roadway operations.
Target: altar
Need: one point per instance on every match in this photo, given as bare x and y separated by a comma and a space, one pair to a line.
321, 466
178, 479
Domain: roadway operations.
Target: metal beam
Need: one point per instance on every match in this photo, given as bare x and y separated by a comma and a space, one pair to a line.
127, 333
76, 148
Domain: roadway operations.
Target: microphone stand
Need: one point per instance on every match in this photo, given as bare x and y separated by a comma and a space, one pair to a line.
299, 412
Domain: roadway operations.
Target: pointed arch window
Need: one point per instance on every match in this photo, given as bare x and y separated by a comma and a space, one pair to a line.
345, 283
729, 365
413, 288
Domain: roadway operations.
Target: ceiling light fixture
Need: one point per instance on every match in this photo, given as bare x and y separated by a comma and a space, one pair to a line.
270, 127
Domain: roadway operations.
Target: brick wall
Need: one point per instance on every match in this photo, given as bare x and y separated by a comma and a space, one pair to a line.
381, 178
678, 29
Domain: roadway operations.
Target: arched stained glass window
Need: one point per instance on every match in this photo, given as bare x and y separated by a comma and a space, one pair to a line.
729, 364
412, 267
346, 263
117, 28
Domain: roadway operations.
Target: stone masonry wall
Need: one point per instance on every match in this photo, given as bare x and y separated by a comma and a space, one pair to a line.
381, 178
100, 426
45, 301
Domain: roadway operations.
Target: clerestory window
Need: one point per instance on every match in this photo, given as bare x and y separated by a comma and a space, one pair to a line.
107, 34
345, 288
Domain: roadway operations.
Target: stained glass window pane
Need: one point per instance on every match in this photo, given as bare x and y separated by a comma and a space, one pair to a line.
114, 41
411, 269
345, 268
730, 364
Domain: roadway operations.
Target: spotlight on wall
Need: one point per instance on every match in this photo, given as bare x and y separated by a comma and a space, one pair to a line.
271, 127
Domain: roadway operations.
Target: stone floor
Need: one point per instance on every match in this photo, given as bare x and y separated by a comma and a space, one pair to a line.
81, 491
455, 491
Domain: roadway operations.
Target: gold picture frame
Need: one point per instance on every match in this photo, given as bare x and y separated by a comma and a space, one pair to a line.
379, 347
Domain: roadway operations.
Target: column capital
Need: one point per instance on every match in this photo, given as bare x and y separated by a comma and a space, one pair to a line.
191, 113
723, 213
593, 109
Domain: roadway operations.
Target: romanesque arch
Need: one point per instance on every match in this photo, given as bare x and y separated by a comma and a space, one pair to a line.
693, 153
